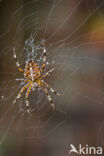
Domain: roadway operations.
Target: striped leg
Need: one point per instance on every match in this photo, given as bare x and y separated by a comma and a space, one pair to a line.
46, 74
20, 93
49, 97
44, 60
27, 96
17, 63
51, 89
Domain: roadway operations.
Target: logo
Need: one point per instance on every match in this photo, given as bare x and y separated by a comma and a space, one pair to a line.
85, 149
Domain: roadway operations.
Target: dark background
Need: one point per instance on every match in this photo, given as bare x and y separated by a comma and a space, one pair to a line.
74, 39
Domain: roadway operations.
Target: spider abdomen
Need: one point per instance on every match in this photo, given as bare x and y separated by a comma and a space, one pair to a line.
32, 70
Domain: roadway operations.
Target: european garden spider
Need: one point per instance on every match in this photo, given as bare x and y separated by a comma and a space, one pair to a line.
34, 78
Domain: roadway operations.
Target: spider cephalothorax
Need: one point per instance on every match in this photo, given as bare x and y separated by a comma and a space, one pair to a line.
34, 77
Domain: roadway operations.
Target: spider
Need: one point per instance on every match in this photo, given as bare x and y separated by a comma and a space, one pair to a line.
34, 78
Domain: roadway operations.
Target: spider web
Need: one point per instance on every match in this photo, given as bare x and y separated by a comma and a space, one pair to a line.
72, 32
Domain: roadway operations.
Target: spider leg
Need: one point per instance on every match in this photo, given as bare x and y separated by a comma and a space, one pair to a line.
17, 63
20, 93
46, 74
44, 60
27, 96
48, 96
51, 89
